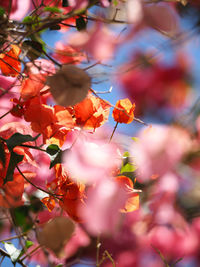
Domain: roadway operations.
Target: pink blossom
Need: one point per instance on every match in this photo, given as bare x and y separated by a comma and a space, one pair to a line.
41, 66
168, 183
161, 17
163, 239
101, 212
187, 242
43, 174
81, 4
78, 4
158, 150
19, 8
99, 41
9, 84
79, 239
89, 161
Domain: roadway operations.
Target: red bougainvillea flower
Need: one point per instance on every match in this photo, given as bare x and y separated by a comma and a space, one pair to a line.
11, 192
164, 86
124, 111
8, 129
132, 202
35, 83
52, 122
32, 86
9, 61
39, 115
67, 54
72, 194
91, 113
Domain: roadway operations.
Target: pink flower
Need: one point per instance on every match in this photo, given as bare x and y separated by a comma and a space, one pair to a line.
19, 8
99, 41
89, 161
79, 4
101, 212
79, 239
161, 17
158, 150
41, 66
163, 239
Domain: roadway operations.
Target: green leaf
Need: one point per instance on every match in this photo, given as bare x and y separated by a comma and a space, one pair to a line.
136, 139
115, 2
52, 149
17, 139
12, 251
14, 160
56, 159
28, 244
55, 154
53, 9
2, 11
22, 218
127, 165
59, 265
81, 24
128, 168
2, 154
28, 19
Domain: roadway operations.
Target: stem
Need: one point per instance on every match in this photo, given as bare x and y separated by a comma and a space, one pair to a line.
47, 192
110, 258
4, 114
93, 65
5, 254
140, 121
98, 251
33, 147
113, 131
13, 237
31, 252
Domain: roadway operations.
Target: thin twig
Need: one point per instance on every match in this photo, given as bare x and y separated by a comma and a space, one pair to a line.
13, 237
43, 190
113, 131
98, 245
5, 254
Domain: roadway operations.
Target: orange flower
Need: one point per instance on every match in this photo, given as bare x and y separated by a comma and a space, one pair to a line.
132, 202
9, 62
32, 86
12, 191
72, 194
124, 111
49, 202
40, 115
91, 113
